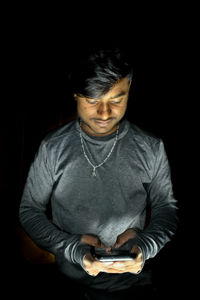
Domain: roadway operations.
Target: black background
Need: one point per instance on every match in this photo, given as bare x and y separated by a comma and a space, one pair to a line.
37, 99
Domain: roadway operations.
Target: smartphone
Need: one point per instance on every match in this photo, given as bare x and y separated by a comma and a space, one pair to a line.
114, 256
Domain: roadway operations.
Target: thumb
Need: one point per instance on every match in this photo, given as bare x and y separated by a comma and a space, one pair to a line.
118, 243
124, 237
99, 244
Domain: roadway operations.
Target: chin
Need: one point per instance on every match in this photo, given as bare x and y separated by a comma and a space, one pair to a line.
94, 128
103, 130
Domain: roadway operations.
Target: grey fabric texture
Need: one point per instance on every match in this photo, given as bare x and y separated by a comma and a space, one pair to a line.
136, 174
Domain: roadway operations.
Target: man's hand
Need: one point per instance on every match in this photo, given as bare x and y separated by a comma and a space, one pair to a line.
124, 237
133, 266
91, 264
92, 240
94, 267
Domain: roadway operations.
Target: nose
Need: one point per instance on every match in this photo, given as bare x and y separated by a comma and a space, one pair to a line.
104, 110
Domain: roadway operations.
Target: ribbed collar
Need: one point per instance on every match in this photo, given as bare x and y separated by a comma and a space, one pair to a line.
98, 140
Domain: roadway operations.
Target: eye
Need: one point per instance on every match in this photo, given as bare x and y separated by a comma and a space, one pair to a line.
91, 101
117, 101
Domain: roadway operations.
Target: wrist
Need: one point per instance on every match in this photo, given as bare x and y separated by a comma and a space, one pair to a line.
82, 252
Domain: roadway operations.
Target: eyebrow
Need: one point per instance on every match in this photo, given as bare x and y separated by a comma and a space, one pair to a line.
119, 95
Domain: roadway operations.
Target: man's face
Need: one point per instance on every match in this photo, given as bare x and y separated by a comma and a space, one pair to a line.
101, 116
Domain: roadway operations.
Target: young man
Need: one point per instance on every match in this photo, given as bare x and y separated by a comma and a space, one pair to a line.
100, 172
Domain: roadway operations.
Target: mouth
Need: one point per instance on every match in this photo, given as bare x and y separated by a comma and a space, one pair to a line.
103, 123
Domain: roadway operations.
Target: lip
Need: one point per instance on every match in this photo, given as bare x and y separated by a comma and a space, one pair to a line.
102, 123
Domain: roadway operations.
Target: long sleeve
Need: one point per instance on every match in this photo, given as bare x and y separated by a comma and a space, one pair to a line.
163, 222
32, 212
103, 206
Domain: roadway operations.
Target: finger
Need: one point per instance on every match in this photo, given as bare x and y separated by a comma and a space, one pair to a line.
137, 251
133, 267
116, 245
124, 237
100, 244
113, 271
92, 241
124, 264
108, 250
102, 266
93, 273
118, 267
121, 267
121, 240
97, 243
108, 263
108, 268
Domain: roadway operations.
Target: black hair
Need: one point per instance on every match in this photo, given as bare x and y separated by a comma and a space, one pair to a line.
97, 71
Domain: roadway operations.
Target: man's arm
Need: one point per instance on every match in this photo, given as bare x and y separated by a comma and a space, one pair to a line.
33, 218
163, 222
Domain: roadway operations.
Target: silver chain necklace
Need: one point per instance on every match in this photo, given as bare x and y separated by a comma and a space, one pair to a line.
103, 162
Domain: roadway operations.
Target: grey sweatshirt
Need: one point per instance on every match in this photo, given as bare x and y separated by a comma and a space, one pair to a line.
136, 174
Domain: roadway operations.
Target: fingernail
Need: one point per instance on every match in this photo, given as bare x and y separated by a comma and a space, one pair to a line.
108, 250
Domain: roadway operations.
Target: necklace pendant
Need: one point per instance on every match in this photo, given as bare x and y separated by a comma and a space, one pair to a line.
94, 173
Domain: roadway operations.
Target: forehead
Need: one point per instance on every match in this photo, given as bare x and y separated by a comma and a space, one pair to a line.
123, 84
119, 89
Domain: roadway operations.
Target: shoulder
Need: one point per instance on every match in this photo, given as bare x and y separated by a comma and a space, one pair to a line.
147, 147
144, 139
61, 136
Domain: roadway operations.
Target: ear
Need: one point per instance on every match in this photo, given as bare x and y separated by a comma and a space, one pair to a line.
75, 97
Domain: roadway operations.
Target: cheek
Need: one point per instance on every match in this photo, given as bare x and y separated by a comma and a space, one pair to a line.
83, 110
124, 107
119, 110
81, 107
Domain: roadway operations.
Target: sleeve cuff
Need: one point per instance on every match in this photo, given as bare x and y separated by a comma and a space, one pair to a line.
76, 251
81, 250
